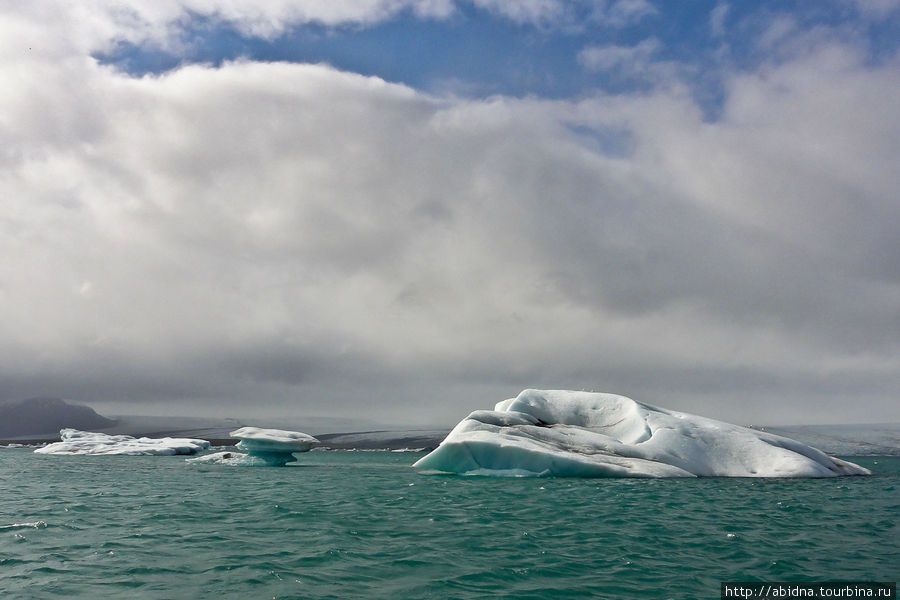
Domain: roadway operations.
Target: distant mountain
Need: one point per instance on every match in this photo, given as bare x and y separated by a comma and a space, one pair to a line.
41, 416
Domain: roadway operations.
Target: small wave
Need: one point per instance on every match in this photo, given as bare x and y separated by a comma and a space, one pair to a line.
33, 525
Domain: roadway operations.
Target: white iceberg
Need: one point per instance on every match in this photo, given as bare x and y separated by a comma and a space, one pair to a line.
74, 441
585, 434
263, 447
231, 458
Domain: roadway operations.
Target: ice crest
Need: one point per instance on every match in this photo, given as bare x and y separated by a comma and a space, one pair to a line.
586, 434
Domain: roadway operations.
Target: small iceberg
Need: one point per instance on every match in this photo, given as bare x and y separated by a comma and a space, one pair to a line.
74, 441
263, 447
586, 434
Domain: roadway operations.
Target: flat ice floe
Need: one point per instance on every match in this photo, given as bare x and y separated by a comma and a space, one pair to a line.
586, 434
263, 447
87, 442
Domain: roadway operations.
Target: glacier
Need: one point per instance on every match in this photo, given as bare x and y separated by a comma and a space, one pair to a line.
74, 441
262, 447
587, 434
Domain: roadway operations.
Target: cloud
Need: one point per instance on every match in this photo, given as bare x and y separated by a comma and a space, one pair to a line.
629, 12
626, 61
631, 58
717, 18
319, 241
877, 9
534, 12
95, 26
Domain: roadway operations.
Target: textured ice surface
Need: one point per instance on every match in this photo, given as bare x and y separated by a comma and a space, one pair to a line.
254, 439
233, 459
585, 434
87, 442
263, 447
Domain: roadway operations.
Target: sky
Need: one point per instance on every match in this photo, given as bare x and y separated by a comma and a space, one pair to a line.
406, 210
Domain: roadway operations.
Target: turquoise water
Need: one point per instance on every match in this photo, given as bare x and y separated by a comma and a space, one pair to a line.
363, 525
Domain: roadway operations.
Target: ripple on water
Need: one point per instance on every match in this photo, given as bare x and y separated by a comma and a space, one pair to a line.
350, 525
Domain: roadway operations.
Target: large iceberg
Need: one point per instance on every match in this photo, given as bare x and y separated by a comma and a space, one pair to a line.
263, 447
74, 441
586, 434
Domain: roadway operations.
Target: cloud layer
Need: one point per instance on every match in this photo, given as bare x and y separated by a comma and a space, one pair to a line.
292, 238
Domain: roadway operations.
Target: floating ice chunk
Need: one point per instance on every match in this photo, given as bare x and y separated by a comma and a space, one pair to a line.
87, 442
582, 434
233, 459
263, 447
254, 439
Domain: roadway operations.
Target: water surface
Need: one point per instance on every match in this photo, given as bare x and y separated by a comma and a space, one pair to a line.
348, 525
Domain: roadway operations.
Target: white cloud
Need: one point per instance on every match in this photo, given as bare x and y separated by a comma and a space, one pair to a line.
778, 31
535, 12
96, 25
877, 9
630, 60
628, 12
290, 232
717, 18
